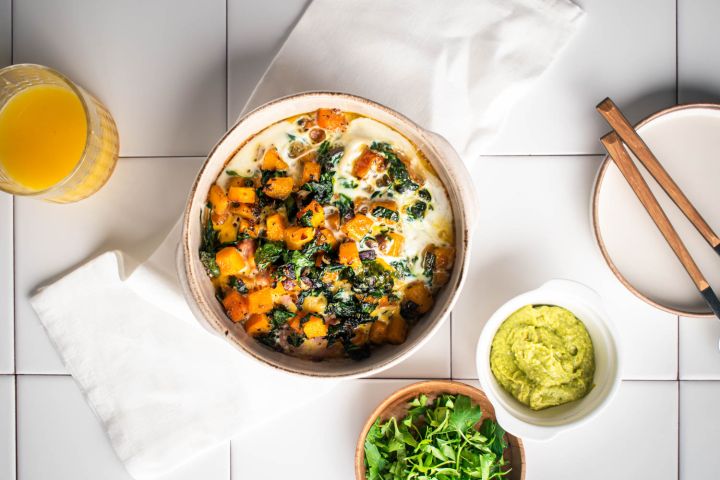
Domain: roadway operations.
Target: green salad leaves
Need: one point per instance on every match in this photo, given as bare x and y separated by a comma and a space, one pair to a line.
436, 441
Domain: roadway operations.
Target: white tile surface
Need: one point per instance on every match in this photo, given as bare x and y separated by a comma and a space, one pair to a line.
624, 50
252, 45
331, 424
534, 226
636, 437
698, 58
597, 450
5, 32
7, 427
699, 430
431, 361
159, 66
7, 351
699, 354
133, 212
61, 438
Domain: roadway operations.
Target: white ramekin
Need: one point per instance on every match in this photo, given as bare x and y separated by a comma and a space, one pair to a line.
519, 419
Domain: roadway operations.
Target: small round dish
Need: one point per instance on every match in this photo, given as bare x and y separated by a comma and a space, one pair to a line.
519, 419
686, 141
396, 406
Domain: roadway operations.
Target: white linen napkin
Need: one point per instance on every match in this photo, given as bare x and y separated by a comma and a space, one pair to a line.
164, 389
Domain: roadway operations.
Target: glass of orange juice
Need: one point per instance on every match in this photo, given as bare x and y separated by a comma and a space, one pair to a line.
57, 142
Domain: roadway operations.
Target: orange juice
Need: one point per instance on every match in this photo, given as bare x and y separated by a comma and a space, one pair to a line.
43, 131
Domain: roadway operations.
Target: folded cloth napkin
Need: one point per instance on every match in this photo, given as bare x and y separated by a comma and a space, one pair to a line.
164, 389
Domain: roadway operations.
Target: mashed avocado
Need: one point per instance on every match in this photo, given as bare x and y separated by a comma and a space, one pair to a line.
543, 356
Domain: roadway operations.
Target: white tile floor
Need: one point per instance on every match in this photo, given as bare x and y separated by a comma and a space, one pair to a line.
175, 73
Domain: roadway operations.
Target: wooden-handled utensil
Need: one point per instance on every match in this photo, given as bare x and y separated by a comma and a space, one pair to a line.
613, 144
637, 145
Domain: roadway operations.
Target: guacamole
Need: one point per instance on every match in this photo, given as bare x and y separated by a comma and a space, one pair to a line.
543, 356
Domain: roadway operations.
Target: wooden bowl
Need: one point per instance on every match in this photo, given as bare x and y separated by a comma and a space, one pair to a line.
396, 406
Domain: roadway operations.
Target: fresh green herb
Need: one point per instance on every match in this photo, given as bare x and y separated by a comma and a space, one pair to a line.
291, 208
417, 210
397, 170
436, 441
280, 317
384, 212
232, 173
291, 137
344, 205
306, 219
424, 194
321, 189
268, 174
402, 270
268, 253
237, 284
211, 266
374, 280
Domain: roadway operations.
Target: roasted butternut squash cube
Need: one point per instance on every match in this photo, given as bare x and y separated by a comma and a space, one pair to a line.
348, 254
330, 119
236, 305
219, 219
310, 172
241, 194
275, 227
230, 261
218, 200
326, 236
245, 210
357, 227
397, 329
394, 245
279, 187
315, 327
257, 324
248, 227
378, 332
260, 301
272, 161
315, 304
313, 215
294, 323
296, 237
366, 162
362, 334
420, 295
227, 233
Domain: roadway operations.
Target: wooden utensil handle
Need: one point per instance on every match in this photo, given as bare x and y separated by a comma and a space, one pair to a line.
622, 159
637, 145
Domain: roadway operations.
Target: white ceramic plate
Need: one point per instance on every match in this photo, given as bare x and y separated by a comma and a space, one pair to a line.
686, 141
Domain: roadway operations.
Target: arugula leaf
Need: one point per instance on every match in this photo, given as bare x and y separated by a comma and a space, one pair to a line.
436, 441
232, 173
384, 212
